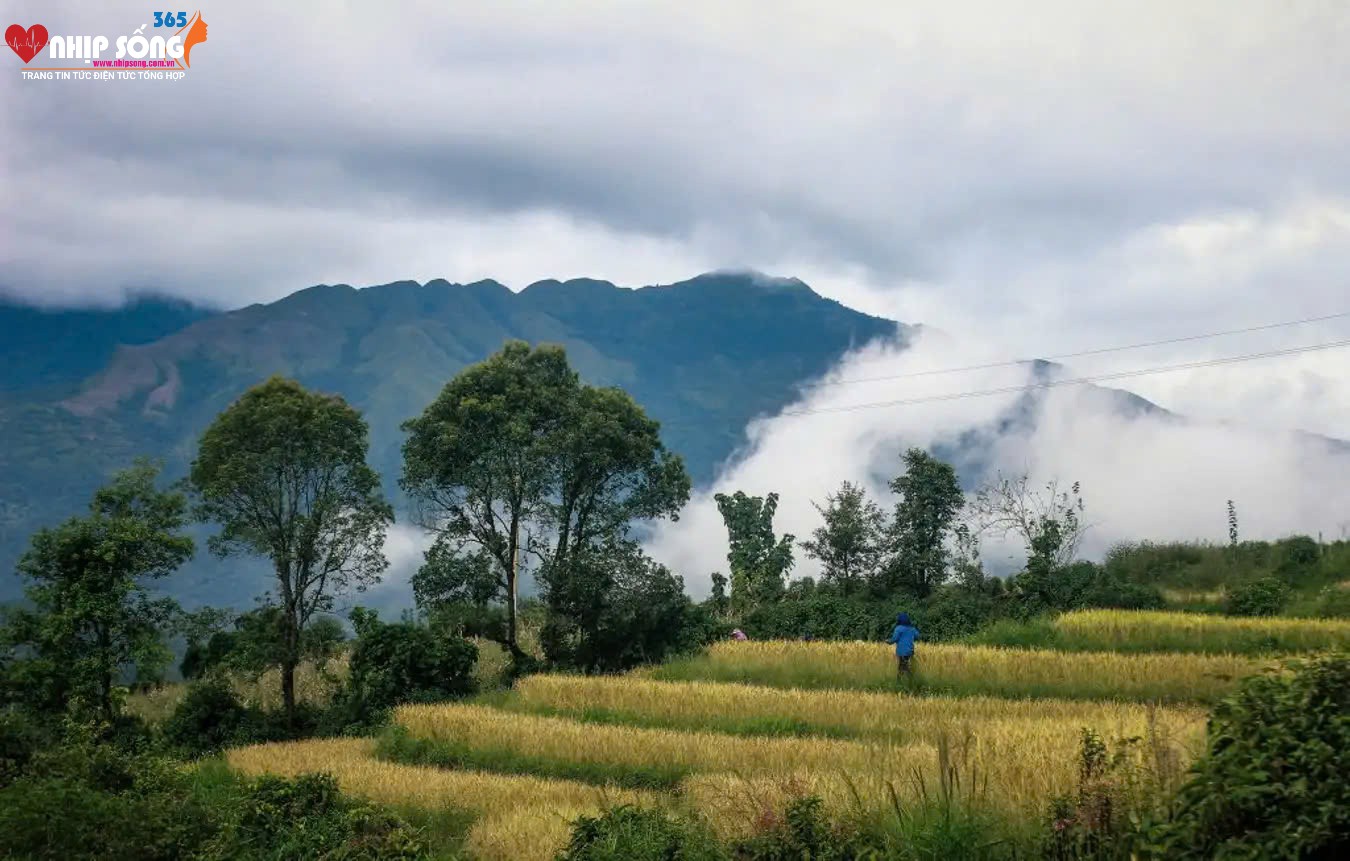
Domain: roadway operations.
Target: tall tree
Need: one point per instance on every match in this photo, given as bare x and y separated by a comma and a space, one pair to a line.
477, 464
930, 498
92, 617
283, 471
516, 456
759, 560
850, 543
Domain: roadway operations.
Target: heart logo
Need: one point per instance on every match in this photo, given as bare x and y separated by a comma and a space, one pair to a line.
26, 43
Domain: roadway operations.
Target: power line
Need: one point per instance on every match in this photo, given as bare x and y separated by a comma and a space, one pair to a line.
1078, 354
1050, 384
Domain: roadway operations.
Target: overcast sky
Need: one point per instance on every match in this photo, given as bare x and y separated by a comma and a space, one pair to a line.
1040, 177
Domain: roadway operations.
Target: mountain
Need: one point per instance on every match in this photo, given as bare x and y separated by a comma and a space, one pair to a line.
47, 352
703, 356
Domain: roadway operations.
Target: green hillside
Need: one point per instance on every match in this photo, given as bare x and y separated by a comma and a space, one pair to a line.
702, 356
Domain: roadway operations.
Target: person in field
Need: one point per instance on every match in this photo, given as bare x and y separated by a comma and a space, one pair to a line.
903, 637
738, 634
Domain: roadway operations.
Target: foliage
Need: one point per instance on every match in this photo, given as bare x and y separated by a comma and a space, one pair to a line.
402, 662
1265, 596
850, 543
930, 499
1077, 586
90, 801
759, 560
209, 718
283, 471
612, 608
258, 643
1048, 520
92, 615
629, 833
517, 456
307, 818
824, 615
1273, 781
801, 831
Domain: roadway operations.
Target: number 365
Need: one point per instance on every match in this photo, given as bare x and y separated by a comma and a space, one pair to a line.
166, 19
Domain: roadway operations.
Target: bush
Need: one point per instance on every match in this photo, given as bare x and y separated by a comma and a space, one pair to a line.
308, 818
398, 663
208, 718
630, 833
1274, 781
87, 801
1262, 597
21, 738
823, 616
802, 832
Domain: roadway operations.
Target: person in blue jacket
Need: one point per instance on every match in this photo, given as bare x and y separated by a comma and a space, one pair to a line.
903, 637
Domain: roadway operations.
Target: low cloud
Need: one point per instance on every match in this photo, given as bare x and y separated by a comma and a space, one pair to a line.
1146, 475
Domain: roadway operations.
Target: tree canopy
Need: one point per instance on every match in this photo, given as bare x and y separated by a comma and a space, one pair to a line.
283, 472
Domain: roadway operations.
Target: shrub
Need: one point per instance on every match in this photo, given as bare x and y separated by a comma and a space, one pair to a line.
1275, 779
1265, 596
823, 616
628, 833
208, 718
21, 738
88, 801
801, 832
399, 663
308, 818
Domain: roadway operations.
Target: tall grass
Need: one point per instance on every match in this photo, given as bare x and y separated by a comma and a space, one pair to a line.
519, 817
1129, 630
1024, 759
758, 710
969, 670
501, 740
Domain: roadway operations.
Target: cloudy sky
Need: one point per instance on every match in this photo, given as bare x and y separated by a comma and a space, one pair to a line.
1037, 178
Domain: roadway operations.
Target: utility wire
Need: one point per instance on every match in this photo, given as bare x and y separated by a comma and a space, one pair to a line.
1049, 384
1080, 353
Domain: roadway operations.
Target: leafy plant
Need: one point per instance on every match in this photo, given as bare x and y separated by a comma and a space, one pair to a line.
1275, 779
1265, 596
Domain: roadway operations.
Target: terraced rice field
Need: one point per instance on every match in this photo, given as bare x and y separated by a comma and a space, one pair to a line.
746, 726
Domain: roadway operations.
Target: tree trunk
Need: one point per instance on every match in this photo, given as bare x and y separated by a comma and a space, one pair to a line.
512, 645
289, 661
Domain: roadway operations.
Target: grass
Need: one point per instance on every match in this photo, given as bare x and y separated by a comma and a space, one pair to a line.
969, 670
313, 685
756, 710
506, 741
1136, 631
516, 817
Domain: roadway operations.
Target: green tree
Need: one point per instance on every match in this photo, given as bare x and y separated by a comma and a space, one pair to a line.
614, 608
477, 466
518, 456
850, 543
759, 560
930, 499
283, 471
92, 618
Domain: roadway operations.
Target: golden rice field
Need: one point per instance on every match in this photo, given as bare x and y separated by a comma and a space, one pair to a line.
560, 739
1136, 630
1023, 761
714, 705
520, 817
747, 726
989, 670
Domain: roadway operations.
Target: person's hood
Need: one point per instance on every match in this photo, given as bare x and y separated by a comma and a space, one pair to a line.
902, 619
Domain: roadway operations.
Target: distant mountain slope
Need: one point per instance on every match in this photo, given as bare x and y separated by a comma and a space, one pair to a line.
703, 356
51, 350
